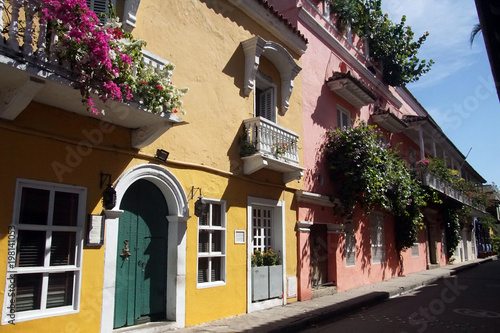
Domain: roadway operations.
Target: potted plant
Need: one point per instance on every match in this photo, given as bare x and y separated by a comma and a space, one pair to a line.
267, 272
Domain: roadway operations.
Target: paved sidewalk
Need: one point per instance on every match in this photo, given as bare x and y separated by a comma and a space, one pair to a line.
301, 315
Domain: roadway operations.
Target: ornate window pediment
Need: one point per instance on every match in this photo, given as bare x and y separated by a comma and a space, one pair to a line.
256, 47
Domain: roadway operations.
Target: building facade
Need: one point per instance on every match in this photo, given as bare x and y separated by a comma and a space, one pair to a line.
342, 86
129, 216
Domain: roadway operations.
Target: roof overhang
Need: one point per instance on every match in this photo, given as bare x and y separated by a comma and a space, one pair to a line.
389, 121
351, 89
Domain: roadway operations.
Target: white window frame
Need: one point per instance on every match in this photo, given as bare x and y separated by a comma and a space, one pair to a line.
210, 255
342, 111
265, 84
377, 237
46, 269
350, 245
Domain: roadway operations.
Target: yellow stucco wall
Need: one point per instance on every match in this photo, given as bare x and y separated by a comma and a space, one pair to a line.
203, 40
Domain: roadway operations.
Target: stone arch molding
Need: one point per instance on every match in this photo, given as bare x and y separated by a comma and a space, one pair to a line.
167, 183
256, 47
178, 207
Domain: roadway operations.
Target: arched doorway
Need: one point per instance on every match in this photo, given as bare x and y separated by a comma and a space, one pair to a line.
167, 188
141, 265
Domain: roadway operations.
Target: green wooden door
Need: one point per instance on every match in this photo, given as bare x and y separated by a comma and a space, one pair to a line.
141, 264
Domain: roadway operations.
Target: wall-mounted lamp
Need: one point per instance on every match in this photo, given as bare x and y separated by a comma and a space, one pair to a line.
109, 194
161, 155
200, 208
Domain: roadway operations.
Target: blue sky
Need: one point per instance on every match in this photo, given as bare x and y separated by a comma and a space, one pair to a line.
458, 92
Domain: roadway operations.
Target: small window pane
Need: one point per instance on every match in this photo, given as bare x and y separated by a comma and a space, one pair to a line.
60, 290
217, 241
62, 249
30, 248
203, 219
217, 215
34, 206
28, 292
202, 270
65, 209
203, 244
216, 270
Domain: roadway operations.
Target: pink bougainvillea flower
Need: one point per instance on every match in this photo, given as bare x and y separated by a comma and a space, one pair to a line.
175, 111
143, 82
159, 87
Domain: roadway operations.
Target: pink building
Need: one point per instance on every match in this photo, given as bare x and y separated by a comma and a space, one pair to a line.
340, 86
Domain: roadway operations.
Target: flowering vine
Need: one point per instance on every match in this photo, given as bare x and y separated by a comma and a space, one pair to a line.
371, 173
106, 59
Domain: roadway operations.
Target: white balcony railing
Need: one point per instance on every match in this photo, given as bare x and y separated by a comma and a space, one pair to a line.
32, 71
276, 148
272, 139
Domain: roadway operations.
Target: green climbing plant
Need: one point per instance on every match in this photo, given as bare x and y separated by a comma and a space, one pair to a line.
391, 44
372, 174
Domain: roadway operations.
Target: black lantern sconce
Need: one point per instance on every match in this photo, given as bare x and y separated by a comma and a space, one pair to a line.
200, 208
109, 193
161, 155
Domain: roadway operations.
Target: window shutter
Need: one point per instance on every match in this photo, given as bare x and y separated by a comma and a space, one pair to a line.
203, 270
266, 104
28, 292
98, 6
60, 289
30, 248
62, 249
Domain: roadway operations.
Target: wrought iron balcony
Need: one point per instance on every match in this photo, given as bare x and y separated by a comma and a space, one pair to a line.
271, 146
445, 188
31, 71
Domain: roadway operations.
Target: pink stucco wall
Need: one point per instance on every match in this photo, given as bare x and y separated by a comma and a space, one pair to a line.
320, 114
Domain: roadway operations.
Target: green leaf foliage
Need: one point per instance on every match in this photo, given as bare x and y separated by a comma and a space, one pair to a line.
371, 173
393, 45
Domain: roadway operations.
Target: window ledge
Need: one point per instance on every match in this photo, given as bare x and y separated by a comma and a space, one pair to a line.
210, 284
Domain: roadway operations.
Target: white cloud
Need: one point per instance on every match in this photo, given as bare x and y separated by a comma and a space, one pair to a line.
449, 23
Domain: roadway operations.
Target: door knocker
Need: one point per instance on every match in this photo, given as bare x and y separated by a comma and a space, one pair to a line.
125, 251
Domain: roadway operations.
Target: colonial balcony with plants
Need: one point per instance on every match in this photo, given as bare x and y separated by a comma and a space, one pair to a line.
434, 174
59, 54
425, 133
266, 144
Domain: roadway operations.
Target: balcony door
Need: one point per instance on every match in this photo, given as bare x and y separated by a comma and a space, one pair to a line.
141, 261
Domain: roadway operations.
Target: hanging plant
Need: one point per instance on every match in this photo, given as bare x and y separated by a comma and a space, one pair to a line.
451, 225
392, 45
371, 173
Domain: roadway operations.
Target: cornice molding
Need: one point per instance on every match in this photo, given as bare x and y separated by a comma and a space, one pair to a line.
256, 11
